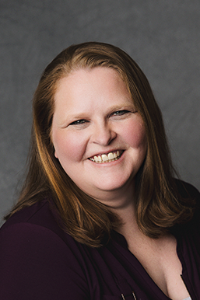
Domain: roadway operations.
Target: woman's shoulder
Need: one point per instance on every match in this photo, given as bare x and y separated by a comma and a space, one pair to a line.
36, 226
41, 217
187, 190
191, 198
35, 252
38, 214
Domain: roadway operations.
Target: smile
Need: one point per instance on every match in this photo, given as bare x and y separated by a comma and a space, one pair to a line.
105, 158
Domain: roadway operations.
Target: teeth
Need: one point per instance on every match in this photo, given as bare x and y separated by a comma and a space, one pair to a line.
97, 158
111, 155
106, 157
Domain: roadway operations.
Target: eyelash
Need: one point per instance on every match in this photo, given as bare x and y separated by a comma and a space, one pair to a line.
120, 112
79, 122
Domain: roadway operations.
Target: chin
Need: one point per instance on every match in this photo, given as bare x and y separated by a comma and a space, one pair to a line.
113, 186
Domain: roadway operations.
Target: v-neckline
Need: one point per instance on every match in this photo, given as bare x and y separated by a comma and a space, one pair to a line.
136, 264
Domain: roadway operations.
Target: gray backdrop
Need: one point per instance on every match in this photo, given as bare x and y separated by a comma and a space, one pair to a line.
163, 36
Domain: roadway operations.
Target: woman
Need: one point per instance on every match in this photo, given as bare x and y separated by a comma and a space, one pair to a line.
100, 215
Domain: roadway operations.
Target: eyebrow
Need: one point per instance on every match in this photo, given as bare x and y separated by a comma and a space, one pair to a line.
84, 115
110, 110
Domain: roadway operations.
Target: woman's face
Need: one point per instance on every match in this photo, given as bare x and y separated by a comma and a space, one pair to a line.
98, 136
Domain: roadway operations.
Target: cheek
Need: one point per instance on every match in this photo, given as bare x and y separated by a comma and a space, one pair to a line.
134, 134
68, 147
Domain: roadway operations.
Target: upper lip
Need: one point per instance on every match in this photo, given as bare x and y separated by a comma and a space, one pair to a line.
106, 152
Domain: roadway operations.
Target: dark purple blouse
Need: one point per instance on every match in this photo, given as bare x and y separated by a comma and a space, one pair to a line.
38, 261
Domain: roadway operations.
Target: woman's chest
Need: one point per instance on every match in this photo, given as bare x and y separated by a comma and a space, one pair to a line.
160, 260
115, 271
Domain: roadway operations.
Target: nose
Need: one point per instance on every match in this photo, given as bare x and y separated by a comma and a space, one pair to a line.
103, 134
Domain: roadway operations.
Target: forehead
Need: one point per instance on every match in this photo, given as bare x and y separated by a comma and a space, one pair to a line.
90, 73
95, 71
89, 78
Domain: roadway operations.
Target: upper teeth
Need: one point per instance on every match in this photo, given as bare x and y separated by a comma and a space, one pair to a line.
106, 157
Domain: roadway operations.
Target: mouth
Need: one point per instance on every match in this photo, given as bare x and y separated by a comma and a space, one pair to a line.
107, 157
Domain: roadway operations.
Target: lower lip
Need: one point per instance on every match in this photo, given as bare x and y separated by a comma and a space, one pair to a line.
111, 163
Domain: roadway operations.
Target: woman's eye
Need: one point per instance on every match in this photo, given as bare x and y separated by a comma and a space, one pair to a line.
78, 122
120, 112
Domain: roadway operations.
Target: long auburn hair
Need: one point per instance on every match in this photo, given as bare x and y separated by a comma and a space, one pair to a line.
158, 203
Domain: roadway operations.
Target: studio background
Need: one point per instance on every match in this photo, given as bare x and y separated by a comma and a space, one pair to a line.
162, 36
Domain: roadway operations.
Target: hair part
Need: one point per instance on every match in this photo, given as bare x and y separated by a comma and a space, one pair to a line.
158, 203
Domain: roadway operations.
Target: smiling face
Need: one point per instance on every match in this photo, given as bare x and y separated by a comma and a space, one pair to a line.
98, 136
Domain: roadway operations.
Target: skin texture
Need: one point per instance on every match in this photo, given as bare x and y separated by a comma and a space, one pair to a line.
95, 114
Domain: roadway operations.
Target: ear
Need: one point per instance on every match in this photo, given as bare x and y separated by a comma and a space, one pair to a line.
55, 154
